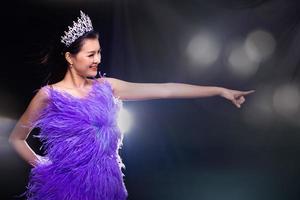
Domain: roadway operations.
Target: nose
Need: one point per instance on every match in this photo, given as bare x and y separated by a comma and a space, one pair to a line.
97, 59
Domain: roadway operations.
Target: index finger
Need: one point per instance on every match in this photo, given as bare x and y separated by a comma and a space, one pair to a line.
247, 92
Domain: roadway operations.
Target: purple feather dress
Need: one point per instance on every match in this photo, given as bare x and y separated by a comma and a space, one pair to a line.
81, 139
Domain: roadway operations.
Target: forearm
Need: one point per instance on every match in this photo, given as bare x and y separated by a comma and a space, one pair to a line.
182, 90
144, 91
24, 150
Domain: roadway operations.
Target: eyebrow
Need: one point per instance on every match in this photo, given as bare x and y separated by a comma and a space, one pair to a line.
94, 51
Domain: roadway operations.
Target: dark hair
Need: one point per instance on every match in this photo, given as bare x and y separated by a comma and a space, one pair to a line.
54, 57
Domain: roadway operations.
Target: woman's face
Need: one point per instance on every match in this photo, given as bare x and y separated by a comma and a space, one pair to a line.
85, 62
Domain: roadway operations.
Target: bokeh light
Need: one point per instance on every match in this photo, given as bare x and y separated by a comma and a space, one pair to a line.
286, 99
245, 56
6, 125
260, 45
203, 49
124, 120
239, 62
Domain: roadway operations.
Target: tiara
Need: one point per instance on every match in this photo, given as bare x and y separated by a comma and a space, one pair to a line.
83, 25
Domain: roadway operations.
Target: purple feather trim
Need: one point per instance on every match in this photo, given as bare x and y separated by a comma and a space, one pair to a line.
81, 140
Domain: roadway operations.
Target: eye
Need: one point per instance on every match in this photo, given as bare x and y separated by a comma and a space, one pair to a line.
91, 55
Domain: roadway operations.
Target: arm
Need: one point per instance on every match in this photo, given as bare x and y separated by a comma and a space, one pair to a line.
143, 91
21, 130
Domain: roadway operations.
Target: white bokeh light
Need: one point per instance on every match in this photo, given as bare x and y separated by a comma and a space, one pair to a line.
203, 50
286, 99
239, 62
260, 45
124, 120
6, 125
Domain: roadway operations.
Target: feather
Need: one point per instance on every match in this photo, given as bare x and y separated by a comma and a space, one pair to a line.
81, 140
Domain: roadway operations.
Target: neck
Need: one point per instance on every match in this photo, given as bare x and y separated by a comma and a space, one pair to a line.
74, 80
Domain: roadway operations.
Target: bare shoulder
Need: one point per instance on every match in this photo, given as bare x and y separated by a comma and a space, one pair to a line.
112, 81
58, 85
42, 95
109, 79
37, 103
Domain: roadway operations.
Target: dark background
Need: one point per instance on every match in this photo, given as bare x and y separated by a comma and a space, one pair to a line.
178, 148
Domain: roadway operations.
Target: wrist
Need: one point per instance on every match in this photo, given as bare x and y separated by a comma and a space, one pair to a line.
220, 91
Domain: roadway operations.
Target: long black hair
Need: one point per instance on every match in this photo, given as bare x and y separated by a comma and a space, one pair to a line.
53, 57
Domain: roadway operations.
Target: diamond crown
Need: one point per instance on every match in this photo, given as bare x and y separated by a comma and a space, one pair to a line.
83, 25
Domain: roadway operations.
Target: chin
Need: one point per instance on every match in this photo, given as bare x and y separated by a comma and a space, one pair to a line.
92, 75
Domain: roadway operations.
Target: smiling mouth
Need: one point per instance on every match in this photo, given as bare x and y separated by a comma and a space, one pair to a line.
93, 68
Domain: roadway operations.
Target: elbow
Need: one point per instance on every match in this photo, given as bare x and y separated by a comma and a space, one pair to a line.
11, 140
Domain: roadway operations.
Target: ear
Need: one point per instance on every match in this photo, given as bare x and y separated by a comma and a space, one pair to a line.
68, 57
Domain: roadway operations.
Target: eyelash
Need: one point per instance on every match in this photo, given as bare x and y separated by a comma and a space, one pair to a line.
93, 54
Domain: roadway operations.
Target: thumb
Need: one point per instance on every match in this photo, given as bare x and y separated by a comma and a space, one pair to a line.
234, 101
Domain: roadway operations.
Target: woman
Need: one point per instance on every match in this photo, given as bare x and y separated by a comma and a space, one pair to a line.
77, 121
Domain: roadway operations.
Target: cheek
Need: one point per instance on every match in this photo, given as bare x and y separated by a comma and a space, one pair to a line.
85, 61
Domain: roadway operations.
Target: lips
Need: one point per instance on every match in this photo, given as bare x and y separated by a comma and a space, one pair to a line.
94, 68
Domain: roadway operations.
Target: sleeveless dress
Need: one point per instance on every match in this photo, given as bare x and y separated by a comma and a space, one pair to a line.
81, 139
